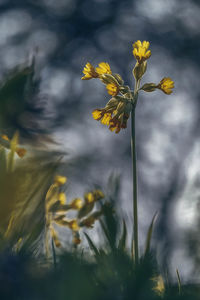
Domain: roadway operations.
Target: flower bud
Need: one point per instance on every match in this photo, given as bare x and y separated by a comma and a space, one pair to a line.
139, 70
149, 87
108, 78
119, 79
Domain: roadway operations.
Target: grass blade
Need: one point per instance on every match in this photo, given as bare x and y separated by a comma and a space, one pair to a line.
91, 244
179, 281
122, 241
149, 236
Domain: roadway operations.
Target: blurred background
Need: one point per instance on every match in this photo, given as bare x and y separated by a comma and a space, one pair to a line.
66, 34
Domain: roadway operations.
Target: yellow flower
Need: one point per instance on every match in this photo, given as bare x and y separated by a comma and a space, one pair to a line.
140, 51
21, 152
106, 119
62, 198
89, 72
73, 225
113, 89
77, 203
89, 198
100, 114
97, 114
60, 180
166, 85
103, 68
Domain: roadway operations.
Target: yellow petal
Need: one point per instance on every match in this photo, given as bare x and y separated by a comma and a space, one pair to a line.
104, 68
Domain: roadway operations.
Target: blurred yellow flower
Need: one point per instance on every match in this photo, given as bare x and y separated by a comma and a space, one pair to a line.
77, 203
140, 51
62, 198
89, 72
89, 197
73, 225
113, 89
166, 85
60, 180
103, 68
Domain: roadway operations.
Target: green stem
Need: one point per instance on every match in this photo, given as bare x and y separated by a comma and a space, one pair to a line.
54, 253
134, 169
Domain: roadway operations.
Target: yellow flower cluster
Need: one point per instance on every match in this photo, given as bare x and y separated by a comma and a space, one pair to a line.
103, 68
56, 209
117, 111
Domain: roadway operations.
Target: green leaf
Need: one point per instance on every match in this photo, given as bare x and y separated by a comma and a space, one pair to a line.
149, 235
91, 244
122, 241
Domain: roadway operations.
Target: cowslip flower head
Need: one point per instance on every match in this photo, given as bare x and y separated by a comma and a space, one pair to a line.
166, 85
140, 51
103, 68
112, 89
89, 72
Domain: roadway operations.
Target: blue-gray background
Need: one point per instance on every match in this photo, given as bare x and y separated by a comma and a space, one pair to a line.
68, 33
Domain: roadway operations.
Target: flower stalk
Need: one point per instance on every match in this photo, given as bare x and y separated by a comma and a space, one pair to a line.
134, 172
134, 177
